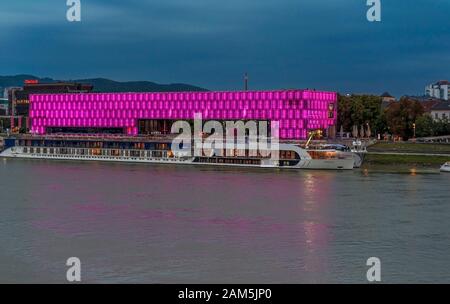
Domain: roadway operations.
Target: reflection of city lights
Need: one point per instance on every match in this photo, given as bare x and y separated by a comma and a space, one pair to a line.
310, 192
315, 241
366, 172
309, 182
309, 234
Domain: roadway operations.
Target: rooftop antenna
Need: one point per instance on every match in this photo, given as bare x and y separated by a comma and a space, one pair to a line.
246, 81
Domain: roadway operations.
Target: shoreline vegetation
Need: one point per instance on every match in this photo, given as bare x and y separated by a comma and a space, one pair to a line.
406, 156
401, 160
410, 147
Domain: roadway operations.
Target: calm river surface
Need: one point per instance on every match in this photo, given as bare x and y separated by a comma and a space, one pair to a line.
131, 223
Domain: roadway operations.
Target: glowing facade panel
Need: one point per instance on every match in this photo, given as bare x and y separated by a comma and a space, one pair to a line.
296, 110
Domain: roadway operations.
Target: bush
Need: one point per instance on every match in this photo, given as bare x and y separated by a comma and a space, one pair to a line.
426, 126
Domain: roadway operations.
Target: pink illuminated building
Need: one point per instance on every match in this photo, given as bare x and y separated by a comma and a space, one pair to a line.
297, 111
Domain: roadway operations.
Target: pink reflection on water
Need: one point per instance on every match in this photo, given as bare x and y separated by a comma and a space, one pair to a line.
269, 214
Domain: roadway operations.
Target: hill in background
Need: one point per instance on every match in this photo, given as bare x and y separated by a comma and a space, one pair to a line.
105, 85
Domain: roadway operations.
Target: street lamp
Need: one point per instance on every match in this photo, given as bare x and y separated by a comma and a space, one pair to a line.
414, 129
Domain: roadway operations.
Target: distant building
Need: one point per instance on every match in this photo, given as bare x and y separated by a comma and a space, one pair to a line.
426, 101
438, 90
441, 110
19, 97
3, 106
387, 98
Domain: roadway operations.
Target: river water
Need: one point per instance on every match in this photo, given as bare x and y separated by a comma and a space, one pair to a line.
134, 223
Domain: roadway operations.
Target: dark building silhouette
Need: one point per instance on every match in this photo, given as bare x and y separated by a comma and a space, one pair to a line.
19, 98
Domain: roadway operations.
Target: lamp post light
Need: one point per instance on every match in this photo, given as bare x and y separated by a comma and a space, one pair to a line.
414, 129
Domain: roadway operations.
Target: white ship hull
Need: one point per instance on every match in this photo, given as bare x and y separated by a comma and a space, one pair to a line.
305, 163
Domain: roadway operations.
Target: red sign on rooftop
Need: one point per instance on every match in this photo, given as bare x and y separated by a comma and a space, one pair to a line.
31, 81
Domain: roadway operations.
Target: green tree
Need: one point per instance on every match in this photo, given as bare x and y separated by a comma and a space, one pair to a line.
441, 127
361, 110
401, 116
425, 126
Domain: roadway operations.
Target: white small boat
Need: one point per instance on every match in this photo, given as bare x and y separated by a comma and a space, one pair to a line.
445, 167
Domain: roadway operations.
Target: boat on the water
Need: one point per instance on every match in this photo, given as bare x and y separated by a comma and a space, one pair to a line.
357, 153
160, 151
445, 167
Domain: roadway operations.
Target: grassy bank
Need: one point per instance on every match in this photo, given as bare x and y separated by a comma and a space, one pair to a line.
410, 148
409, 160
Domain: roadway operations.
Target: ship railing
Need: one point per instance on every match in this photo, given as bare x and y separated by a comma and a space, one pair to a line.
121, 137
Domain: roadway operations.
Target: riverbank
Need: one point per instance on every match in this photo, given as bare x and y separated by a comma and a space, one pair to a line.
405, 156
406, 147
404, 159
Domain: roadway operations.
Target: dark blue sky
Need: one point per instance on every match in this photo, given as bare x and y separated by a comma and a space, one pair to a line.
322, 44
